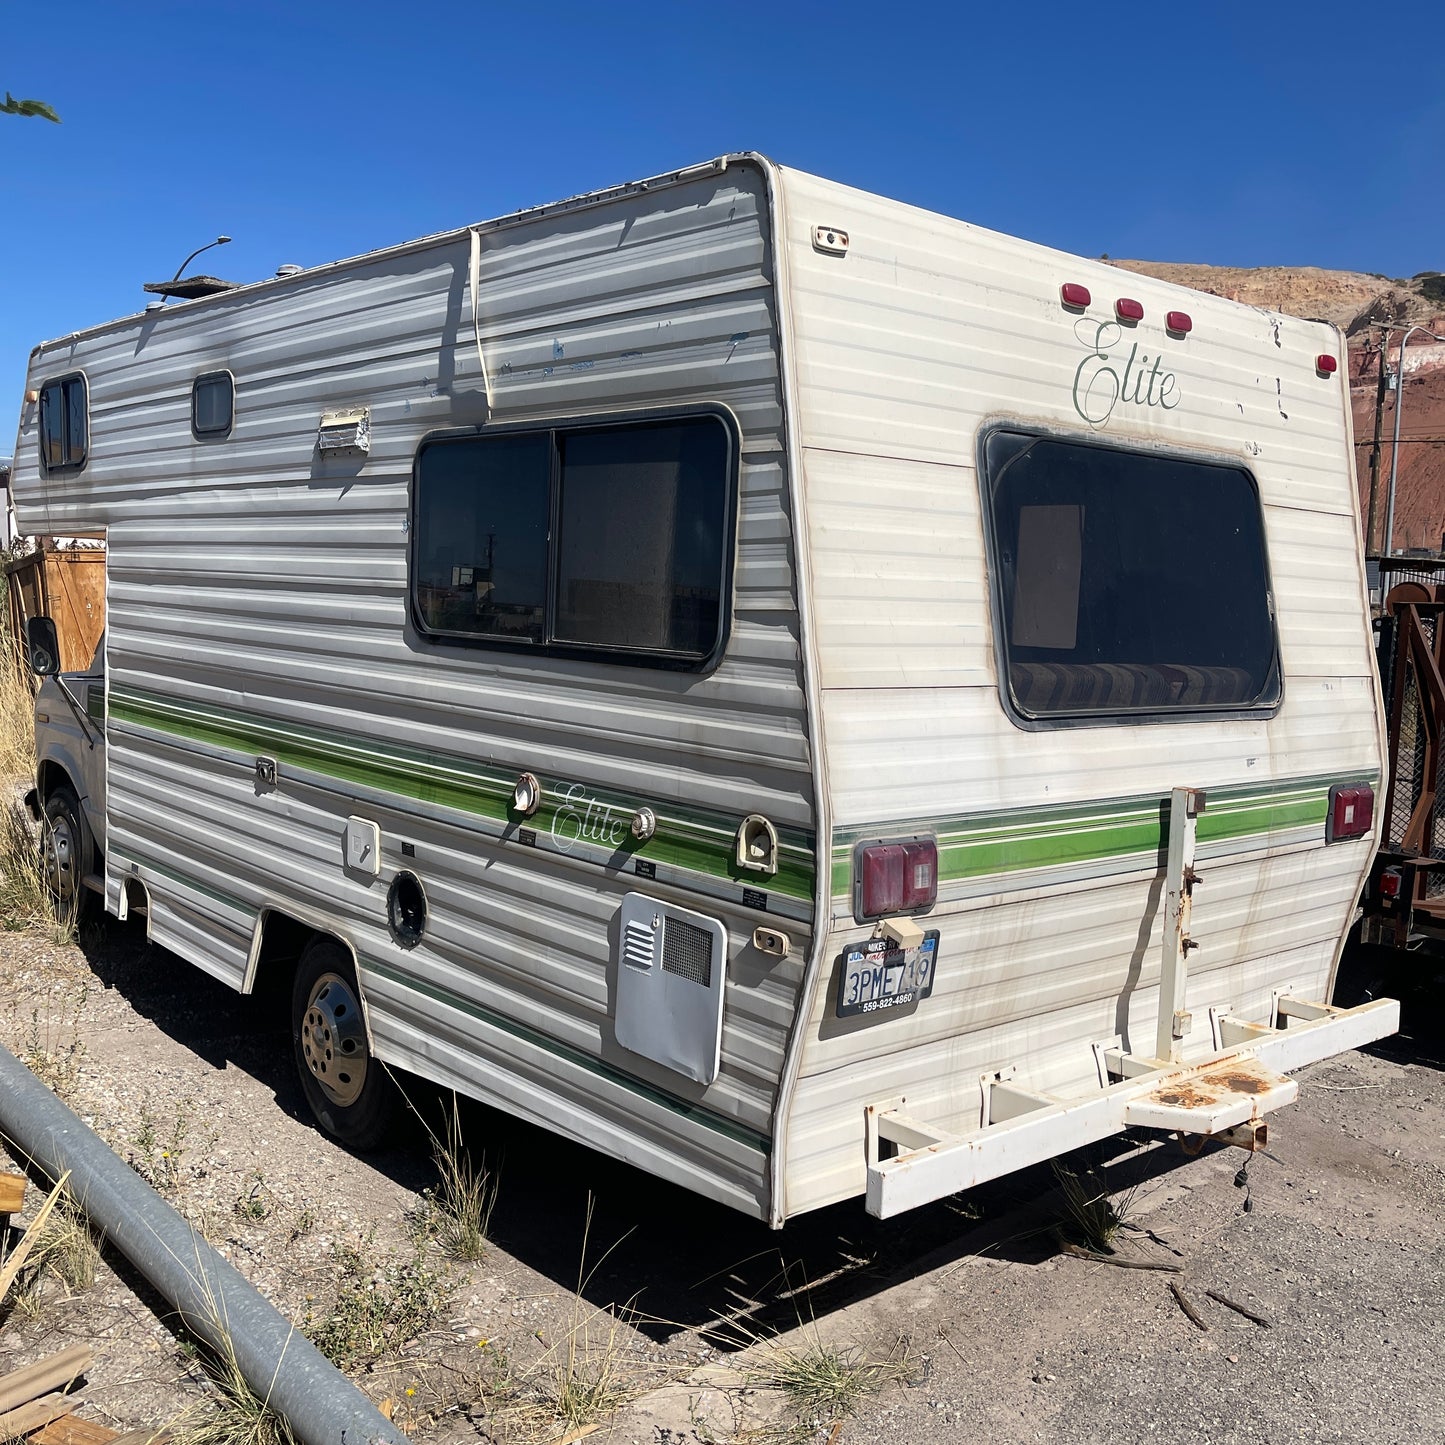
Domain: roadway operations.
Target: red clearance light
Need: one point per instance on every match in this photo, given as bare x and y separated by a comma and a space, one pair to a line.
1325, 364
1075, 295
1389, 883
895, 877
1352, 811
1179, 322
1127, 310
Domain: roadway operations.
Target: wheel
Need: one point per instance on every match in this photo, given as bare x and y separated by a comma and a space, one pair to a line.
63, 853
348, 1091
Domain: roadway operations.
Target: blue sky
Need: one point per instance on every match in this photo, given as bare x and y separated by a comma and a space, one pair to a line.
1272, 132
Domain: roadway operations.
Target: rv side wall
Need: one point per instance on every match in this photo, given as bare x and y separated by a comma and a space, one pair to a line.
259, 610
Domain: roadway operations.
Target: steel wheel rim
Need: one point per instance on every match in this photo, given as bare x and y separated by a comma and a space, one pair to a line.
333, 1040
60, 860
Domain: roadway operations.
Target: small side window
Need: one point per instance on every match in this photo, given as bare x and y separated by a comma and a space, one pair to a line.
64, 424
213, 404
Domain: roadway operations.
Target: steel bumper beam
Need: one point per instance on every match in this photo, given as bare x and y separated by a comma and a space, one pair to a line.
1234, 1087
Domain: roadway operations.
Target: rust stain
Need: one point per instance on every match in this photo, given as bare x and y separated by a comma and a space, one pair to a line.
1213, 1086
1187, 1097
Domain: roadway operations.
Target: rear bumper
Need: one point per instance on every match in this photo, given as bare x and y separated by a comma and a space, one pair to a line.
1243, 1080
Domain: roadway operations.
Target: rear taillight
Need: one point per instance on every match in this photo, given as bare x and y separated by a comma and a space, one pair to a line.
897, 877
1352, 811
1389, 883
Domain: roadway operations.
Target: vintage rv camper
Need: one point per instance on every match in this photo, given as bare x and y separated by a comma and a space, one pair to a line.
808, 696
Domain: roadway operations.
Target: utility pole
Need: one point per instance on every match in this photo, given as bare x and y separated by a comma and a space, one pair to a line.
1375, 445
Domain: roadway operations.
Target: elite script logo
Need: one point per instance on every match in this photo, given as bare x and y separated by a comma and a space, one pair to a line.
1099, 384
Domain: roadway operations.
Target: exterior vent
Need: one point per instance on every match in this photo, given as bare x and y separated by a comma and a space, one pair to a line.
687, 952
637, 944
671, 968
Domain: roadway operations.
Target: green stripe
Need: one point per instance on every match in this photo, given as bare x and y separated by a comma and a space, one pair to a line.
698, 841
983, 845
718, 1123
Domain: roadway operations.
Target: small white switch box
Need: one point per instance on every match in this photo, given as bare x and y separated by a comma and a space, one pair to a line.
363, 846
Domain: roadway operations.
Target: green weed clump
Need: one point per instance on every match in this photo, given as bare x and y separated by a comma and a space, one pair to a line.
380, 1304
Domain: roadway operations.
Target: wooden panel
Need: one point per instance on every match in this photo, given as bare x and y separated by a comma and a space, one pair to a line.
75, 594
69, 587
12, 1193
70, 1431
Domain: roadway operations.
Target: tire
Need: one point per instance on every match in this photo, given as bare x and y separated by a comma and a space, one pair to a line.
348, 1091
64, 854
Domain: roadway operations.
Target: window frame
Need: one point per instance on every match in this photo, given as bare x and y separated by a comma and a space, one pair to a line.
213, 433
1218, 712
64, 469
669, 661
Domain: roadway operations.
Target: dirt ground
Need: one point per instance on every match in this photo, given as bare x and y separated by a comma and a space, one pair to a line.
607, 1299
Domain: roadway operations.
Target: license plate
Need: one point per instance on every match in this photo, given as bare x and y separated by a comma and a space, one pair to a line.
878, 975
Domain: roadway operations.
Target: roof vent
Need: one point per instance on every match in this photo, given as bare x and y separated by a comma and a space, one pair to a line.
289, 269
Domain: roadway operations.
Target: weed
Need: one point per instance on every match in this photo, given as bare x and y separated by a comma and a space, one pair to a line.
458, 1211
256, 1202
1091, 1214
824, 1383
379, 1306
54, 1049
305, 1223
160, 1159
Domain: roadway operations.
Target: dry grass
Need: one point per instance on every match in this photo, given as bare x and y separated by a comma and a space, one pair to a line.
232, 1413
457, 1213
823, 1382
67, 1253
587, 1374
26, 903
17, 714
1092, 1216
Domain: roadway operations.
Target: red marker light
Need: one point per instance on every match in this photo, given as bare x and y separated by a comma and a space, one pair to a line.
1351, 812
1179, 322
1075, 295
895, 877
1389, 883
1127, 310
1325, 364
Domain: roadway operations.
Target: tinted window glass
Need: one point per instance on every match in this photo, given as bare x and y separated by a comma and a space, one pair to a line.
635, 564
213, 401
481, 547
640, 557
1128, 583
64, 423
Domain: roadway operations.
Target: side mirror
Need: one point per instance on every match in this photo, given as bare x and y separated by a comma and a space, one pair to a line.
44, 646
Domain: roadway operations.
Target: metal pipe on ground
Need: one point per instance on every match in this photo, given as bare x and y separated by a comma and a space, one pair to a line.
217, 1305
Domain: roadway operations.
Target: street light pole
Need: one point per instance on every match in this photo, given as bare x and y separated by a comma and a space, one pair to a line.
1395, 448
219, 241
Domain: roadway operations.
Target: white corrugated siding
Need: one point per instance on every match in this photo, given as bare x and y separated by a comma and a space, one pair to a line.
250, 580
903, 350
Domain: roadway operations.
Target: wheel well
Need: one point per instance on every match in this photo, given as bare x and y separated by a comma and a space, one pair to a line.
283, 940
137, 898
49, 776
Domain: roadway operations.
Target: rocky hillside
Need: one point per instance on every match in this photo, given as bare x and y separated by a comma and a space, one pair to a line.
1358, 303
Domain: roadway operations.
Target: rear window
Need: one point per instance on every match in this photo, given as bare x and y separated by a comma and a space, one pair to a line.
1126, 585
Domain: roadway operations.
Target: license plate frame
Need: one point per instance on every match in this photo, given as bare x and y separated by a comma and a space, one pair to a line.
876, 976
